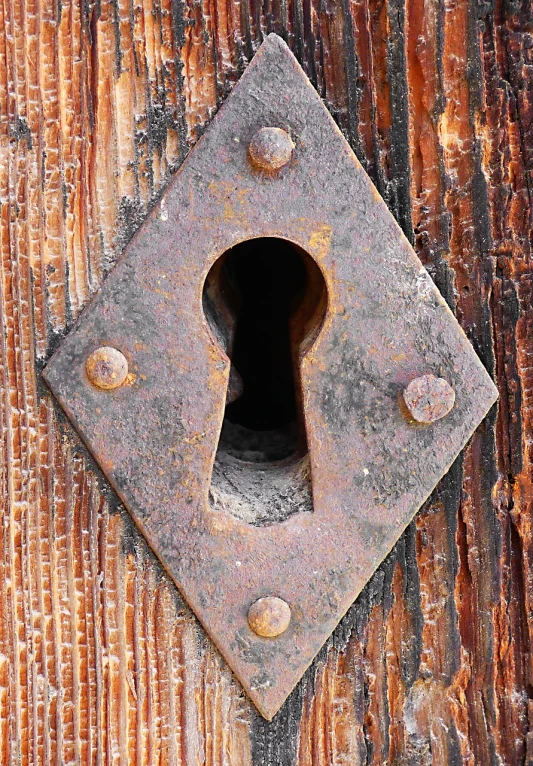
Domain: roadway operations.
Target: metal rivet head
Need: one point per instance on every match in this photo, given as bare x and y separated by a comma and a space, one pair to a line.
429, 398
269, 617
271, 148
107, 368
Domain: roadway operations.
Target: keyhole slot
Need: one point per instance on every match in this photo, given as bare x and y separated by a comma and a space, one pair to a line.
265, 299
269, 277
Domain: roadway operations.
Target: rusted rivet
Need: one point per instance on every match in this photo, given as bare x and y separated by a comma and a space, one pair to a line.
107, 368
271, 148
429, 398
269, 617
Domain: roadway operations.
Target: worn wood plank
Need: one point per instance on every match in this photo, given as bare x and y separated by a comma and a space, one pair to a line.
100, 660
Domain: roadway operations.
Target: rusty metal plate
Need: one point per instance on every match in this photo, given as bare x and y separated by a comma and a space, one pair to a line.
154, 431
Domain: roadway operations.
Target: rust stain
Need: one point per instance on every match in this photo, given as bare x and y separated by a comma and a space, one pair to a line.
320, 241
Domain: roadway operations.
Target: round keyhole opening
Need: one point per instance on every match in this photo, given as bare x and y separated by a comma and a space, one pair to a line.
265, 299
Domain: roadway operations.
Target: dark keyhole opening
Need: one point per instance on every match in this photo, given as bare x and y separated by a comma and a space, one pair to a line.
265, 299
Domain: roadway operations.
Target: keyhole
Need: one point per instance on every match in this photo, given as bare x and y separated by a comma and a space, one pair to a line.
265, 299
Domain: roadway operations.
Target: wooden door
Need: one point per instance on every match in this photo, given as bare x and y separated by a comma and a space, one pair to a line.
101, 662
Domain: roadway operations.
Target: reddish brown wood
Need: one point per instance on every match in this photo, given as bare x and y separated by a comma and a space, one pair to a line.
100, 662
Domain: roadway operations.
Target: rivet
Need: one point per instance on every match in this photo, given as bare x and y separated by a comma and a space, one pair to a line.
429, 398
271, 148
269, 617
106, 368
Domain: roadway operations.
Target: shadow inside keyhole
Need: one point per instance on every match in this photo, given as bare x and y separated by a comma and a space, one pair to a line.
265, 300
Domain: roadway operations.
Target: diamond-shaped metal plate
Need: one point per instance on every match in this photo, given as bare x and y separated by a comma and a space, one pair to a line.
386, 324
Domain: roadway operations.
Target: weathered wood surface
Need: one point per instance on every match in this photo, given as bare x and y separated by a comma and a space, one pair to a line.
100, 661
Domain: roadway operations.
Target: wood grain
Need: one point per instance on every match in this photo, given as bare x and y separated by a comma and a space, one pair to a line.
100, 660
